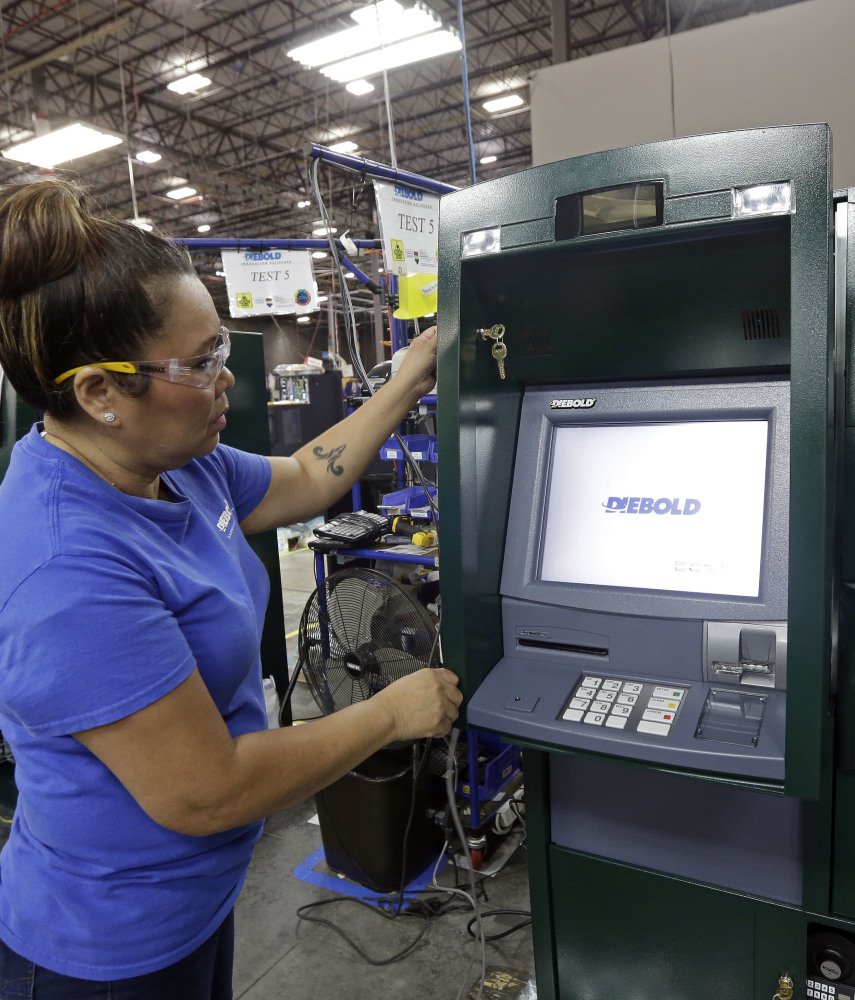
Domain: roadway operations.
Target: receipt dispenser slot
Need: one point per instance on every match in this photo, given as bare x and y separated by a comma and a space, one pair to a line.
732, 717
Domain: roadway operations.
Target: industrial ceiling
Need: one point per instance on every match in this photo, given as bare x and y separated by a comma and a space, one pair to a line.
241, 142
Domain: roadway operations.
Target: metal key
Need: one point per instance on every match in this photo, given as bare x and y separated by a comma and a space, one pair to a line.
495, 332
499, 352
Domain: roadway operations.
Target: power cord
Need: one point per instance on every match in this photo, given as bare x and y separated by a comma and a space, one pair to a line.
473, 897
429, 908
418, 767
499, 913
302, 914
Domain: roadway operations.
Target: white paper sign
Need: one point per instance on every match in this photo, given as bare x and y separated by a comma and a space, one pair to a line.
409, 227
270, 282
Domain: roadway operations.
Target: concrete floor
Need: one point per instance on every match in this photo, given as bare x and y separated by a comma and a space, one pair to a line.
279, 956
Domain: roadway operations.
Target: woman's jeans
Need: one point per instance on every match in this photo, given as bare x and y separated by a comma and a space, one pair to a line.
206, 974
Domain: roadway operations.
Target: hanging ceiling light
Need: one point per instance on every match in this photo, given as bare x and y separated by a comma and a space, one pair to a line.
359, 87
503, 103
191, 84
61, 145
387, 35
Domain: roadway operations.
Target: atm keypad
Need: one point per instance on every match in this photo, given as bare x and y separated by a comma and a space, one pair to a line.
625, 705
818, 989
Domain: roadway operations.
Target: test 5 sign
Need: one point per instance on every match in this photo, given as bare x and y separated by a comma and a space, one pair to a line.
269, 282
409, 227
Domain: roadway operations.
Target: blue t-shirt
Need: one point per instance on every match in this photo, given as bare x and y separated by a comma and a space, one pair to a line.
107, 603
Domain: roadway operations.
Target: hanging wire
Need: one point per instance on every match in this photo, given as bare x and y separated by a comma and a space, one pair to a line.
465, 73
8, 80
393, 156
125, 119
671, 68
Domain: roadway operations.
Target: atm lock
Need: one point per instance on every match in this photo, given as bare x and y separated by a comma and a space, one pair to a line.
785, 988
499, 350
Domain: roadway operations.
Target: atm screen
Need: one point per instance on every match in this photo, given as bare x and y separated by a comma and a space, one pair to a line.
673, 506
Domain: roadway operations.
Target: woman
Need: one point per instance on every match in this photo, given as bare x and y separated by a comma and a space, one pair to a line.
131, 609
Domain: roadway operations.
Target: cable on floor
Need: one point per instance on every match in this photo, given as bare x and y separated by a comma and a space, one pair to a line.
426, 916
499, 913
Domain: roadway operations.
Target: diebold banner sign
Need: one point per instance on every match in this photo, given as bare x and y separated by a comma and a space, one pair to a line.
269, 282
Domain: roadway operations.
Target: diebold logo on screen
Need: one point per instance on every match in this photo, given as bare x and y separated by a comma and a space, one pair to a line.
647, 505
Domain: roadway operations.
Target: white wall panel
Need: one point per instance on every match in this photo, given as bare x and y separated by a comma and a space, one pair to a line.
781, 67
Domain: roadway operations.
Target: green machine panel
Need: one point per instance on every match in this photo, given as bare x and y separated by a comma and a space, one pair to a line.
634, 927
16, 418
247, 429
644, 427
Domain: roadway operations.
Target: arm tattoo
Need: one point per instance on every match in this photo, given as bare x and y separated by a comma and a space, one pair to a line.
330, 457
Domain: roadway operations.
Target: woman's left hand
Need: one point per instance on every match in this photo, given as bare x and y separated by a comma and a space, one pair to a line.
419, 365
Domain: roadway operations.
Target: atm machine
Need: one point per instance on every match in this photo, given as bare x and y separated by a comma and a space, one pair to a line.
646, 562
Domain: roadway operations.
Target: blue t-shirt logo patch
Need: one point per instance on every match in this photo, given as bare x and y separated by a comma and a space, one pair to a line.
225, 518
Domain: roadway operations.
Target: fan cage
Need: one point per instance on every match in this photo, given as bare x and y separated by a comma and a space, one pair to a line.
360, 631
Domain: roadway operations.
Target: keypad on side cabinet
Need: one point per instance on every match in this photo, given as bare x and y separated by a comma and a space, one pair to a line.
817, 989
625, 705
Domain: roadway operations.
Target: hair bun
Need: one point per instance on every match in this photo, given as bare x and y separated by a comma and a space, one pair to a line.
46, 228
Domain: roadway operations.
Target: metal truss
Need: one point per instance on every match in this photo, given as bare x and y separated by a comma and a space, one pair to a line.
242, 142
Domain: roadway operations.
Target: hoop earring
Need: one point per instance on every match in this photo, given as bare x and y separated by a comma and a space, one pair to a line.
109, 416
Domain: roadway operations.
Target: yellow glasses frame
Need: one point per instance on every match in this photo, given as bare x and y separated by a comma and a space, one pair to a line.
200, 371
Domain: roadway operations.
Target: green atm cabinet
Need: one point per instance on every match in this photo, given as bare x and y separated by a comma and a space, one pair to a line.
651, 594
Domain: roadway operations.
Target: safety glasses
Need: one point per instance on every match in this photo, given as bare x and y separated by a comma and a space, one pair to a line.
200, 372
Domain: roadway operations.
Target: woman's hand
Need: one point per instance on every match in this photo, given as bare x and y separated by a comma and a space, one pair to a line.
424, 703
419, 365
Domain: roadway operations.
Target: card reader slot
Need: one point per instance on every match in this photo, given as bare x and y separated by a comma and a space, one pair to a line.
564, 647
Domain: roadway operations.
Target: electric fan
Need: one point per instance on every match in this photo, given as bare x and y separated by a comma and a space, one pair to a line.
360, 631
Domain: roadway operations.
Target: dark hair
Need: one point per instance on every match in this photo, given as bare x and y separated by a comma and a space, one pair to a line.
76, 285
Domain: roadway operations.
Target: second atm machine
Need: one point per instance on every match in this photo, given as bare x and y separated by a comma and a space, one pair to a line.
642, 431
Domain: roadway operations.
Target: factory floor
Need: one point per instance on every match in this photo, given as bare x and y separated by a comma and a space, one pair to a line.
279, 956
